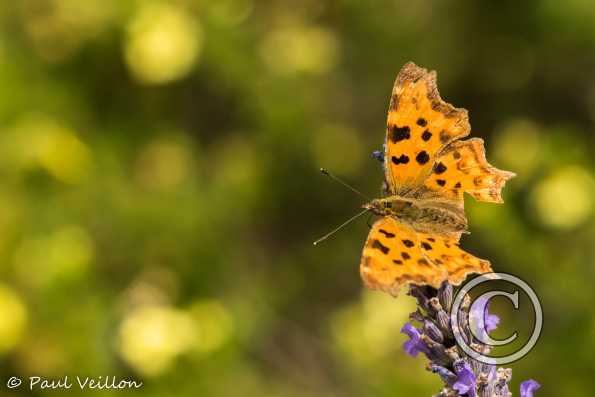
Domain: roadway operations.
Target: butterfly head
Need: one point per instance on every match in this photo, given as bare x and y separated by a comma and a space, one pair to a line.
379, 206
390, 206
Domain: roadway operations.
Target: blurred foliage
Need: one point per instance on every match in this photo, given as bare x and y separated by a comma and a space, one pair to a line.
160, 191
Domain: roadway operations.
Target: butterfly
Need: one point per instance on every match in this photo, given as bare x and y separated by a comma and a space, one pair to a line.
428, 168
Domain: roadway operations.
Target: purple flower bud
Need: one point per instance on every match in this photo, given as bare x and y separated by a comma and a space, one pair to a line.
453, 353
466, 381
447, 376
435, 305
503, 376
414, 345
484, 385
485, 391
463, 325
444, 323
445, 295
437, 351
417, 316
422, 299
528, 387
433, 332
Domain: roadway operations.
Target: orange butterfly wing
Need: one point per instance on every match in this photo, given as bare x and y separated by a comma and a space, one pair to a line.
396, 255
392, 257
419, 124
462, 167
445, 251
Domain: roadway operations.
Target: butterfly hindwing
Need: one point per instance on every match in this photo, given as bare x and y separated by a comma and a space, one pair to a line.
396, 255
462, 167
392, 257
444, 251
419, 124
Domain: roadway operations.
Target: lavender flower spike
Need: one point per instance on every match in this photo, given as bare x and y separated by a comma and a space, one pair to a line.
528, 387
414, 345
461, 374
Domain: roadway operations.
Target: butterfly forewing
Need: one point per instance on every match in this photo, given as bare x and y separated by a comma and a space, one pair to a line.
419, 124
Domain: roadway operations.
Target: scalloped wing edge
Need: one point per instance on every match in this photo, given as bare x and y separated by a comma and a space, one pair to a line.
410, 72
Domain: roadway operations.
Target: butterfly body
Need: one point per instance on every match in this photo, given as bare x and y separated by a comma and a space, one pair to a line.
425, 216
428, 168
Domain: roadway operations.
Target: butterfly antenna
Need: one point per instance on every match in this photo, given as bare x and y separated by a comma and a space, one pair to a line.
348, 186
321, 239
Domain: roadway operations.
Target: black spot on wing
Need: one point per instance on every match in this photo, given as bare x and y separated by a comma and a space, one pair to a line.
423, 262
422, 122
458, 185
408, 243
405, 255
422, 157
444, 136
456, 155
379, 246
402, 159
397, 261
398, 134
387, 234
439, 168
441, 182
426, 135
426, 246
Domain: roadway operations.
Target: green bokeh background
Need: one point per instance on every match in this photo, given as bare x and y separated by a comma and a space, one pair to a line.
159, 190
